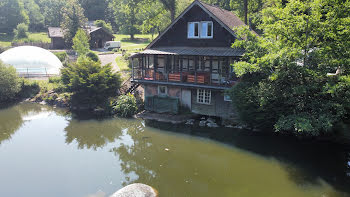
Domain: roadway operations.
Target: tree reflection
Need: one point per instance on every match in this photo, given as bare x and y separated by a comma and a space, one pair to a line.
93, 134
11, 118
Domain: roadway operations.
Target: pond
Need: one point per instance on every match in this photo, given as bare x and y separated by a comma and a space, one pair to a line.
46, 152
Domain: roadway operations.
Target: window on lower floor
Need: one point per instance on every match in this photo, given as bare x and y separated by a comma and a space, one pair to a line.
203, 96
227, 97
162, 90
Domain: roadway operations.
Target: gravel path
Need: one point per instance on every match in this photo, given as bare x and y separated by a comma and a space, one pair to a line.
110, 58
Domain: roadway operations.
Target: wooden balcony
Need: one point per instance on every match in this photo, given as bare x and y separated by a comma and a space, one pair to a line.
206, 79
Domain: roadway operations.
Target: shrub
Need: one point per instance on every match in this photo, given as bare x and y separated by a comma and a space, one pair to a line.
90, 83
103, 24
29, 88
21, 31
62, 56
93, 56
9, 82
125, 106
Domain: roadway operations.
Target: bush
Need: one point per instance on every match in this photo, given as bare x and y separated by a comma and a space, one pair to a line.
125, 106
21, 31
9, 83
62, 56
91, 55
90, 83
29, 88
103, 24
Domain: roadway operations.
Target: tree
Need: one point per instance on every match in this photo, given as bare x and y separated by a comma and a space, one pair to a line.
11, 14
36, 18
73, 19
94, 9
81, 42
91, 84
52, 11
284, 73
126, 13
21, 31
103, 24
170, 5
9, 83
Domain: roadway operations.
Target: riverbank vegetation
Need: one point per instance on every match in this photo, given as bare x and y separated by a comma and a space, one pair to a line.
295, 77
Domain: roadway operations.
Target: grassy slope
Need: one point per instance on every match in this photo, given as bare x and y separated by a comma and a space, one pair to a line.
140, 42
5, 40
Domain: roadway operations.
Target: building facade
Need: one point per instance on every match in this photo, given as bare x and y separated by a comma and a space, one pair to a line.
188, 66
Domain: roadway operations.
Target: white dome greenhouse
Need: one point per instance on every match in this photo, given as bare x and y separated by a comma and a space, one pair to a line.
32, 61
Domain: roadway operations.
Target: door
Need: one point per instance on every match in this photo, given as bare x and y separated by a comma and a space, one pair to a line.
186, 98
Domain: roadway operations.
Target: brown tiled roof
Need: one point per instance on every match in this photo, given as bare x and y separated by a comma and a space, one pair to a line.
55, 32
202, 51
227, 17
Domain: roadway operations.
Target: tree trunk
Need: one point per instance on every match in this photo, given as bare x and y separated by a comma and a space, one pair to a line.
172, 14
132, 36
245, 11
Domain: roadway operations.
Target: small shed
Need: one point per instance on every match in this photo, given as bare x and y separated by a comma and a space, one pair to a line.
56, 35
98, 37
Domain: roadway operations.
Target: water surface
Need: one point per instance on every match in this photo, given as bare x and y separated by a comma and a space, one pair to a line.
45, 152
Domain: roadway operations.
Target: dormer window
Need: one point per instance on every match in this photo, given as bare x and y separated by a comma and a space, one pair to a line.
193, 30
206, 29
202, 29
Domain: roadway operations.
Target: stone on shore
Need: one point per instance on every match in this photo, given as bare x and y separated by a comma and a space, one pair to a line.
136, 190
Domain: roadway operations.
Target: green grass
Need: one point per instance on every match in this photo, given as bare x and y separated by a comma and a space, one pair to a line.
5, 40
141, 41
122, 63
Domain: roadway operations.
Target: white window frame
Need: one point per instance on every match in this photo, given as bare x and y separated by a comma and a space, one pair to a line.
212, 29
188, 30
227, 97
204, 96
163, 94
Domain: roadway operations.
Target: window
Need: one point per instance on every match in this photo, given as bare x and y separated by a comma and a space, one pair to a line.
227, 97
202, 29
193, 30
206, 30
162, 90
203, 96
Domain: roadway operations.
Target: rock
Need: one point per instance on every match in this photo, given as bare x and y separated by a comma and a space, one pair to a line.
202, 123
136, 190
190, 122
212, 125
203, 118
229, 126
210, 120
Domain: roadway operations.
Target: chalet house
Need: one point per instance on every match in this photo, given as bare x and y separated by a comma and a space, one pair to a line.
188, 65
98, 37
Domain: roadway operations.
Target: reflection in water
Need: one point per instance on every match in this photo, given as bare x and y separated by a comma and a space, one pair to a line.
96, 157
12, 118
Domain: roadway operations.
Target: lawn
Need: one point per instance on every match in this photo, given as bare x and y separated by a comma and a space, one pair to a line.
5, 40
122, 63
141, 41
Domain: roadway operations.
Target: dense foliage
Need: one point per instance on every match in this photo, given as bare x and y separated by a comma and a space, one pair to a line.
91, 84
125, 106
21, 31
73, 20
81, 42
9, 83
285, 85
103, 24
12, 13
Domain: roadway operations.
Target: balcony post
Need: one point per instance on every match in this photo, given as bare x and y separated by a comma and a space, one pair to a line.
155, 64
211, 69
132, 68
195, 69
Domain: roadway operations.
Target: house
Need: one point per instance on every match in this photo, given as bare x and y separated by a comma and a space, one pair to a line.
188, 65
98, 37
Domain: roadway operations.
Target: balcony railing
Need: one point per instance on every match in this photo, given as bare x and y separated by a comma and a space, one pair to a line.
199, 77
